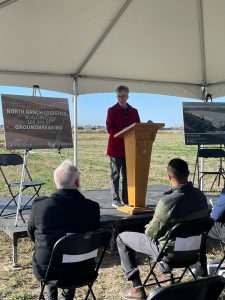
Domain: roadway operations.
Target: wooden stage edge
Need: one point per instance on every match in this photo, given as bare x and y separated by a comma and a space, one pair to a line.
110, 217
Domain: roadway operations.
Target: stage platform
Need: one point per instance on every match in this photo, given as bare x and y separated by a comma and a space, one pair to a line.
110, 217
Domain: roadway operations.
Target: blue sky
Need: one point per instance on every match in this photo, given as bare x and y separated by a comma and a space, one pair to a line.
92, 109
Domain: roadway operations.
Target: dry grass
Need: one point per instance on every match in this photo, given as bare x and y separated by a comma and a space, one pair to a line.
19, 283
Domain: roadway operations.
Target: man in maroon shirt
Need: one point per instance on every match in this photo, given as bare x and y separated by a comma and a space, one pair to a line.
119, 116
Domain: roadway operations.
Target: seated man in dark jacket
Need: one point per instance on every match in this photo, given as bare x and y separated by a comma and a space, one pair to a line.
65, 211
182, 202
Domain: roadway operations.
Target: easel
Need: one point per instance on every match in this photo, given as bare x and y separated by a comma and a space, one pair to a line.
203, 153
36, 90
36, 185
25, 173
23, 176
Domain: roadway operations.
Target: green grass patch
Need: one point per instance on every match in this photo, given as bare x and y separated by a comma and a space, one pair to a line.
93, 164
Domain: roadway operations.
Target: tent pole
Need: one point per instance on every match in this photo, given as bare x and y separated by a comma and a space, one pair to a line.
75, 98
202, 162
6, 3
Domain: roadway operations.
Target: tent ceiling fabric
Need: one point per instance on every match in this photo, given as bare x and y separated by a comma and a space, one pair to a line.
154, 46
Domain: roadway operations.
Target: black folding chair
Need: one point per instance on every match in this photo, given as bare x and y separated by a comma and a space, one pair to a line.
9, 160
218, 153
189, 248
83, 271
208, 288
222, 245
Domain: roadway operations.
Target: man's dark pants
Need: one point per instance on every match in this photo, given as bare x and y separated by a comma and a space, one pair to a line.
217, 232
130, 242
117, 165
52, 292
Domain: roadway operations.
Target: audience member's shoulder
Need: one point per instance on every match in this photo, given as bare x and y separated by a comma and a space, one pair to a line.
92, 203
40, 199
201, 194
170, 197
197, 190
166, 199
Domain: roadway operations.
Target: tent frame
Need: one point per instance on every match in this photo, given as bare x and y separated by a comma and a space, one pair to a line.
203, 87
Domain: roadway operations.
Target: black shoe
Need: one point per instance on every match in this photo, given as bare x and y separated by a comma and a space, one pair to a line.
117, 203
124, 201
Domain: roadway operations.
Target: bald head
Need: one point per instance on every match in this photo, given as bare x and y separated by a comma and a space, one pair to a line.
66, 176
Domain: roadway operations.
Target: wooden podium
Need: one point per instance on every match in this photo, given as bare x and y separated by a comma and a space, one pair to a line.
138, 140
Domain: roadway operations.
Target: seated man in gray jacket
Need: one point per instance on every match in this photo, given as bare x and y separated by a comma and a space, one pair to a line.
182, 202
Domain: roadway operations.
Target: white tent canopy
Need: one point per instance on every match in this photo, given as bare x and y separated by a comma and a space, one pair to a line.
173, 47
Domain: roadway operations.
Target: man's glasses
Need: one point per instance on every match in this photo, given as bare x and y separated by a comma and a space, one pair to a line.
121, 96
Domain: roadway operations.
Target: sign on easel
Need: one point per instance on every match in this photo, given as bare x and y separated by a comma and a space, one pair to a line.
204, 123
32, 122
